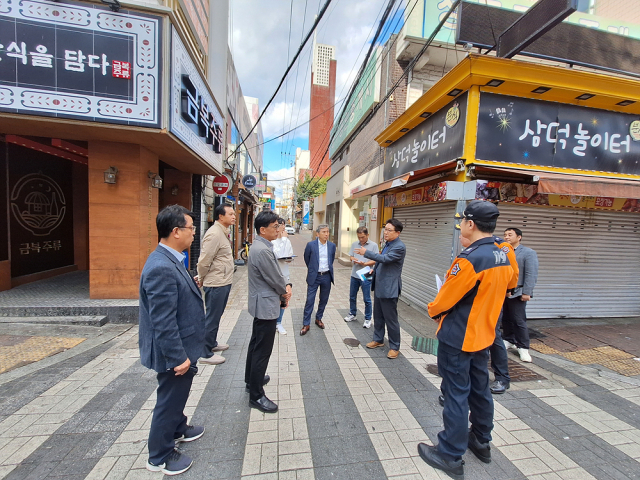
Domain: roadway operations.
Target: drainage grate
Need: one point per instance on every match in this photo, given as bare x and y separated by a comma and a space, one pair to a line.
352, 342
425, 345
432, 368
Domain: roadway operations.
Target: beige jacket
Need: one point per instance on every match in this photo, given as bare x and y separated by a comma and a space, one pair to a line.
215, 265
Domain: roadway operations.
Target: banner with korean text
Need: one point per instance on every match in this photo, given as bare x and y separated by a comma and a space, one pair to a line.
533, 132
437, 140
80, 61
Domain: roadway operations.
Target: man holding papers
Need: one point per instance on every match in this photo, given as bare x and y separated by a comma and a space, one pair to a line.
387, 284
358, 277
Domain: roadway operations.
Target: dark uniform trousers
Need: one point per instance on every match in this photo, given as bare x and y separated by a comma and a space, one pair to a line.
499, 359
260, 348
515, 322
385, 312
168, 421
465, 381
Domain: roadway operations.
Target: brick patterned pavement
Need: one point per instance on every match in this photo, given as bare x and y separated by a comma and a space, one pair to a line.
345, 412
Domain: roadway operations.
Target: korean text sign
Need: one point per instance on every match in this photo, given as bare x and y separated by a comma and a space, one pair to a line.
439, 139
80, 61
533, 132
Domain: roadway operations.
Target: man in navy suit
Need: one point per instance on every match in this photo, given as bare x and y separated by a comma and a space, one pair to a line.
318, 255
170, 336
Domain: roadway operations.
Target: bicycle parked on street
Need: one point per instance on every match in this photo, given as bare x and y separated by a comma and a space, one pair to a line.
244, 253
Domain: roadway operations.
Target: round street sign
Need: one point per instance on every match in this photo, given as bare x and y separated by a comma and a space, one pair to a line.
221, 184
249, 181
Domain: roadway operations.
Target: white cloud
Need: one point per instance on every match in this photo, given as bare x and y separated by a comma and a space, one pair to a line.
260, 39
281, 117
283, 173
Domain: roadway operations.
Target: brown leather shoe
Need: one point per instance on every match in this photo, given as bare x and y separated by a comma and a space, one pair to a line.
304, 330
374, 344
319, 323
393, 354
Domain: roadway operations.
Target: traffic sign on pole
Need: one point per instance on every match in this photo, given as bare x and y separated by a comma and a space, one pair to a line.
221, 184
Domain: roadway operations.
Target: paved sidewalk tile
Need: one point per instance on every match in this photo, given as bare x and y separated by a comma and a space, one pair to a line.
344, 412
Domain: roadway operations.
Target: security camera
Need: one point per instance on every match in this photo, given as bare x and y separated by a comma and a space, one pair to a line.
467, 46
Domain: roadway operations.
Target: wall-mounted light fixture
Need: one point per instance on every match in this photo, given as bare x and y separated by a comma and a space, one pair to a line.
455, 92
585, 96
114, 5
174, 190
541, 90
625, 103
156, 180
425, 114
110, 175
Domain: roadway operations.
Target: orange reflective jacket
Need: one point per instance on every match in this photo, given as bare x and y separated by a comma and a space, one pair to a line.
470, 300
511, 256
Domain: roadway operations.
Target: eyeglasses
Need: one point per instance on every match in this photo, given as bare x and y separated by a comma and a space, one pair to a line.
389, 229
192, 228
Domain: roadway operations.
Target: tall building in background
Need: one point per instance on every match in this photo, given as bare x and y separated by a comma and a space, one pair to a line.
323, 92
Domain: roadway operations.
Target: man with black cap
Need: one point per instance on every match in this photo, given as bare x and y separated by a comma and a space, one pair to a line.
467, 307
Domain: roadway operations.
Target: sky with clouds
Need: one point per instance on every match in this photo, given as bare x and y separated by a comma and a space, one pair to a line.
262, 44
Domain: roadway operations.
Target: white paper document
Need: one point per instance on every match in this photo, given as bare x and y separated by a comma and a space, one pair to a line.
438, 283
362, 272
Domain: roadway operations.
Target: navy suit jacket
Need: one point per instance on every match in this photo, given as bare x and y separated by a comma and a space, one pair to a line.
312, 259
171, 314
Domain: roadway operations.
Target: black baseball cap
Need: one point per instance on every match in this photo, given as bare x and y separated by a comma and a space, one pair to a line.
480, 210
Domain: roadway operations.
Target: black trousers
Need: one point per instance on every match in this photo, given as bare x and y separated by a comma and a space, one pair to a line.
514, 322
385, 312
169, 421
260, 348
215, 300
499, 359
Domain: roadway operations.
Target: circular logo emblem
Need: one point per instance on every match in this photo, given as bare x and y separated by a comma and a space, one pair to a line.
634, 130
575, 199
453, 115
249, 181
403, 197
38, 204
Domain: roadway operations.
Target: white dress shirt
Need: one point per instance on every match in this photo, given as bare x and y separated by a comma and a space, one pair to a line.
324, 256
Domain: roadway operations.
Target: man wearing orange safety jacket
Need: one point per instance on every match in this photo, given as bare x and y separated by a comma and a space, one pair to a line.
497, 350
468, 306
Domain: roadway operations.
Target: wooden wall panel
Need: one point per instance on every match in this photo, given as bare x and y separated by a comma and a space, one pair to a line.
5, 275
121, 218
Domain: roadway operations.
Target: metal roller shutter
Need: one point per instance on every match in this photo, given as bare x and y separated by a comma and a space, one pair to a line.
428, 235
589, 260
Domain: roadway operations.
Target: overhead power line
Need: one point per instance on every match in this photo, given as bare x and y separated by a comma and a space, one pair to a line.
282, 80
406, 71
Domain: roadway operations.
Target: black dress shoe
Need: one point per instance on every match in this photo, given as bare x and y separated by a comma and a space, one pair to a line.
264, 405
441, 400
498, 387
264, 382
480, 450
431, 455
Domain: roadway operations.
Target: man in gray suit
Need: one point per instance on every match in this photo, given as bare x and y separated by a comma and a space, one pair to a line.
514, 315
171, 332
387, 285
268, 290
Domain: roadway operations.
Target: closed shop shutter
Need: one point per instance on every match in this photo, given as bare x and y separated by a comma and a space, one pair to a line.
589, 260
428, 234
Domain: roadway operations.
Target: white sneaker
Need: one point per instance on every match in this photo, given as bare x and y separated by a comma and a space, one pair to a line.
509, 345
281, 329
349, 318
524, 355
366, 324
213, 360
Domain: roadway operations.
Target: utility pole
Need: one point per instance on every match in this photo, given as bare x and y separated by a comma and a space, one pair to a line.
295, 191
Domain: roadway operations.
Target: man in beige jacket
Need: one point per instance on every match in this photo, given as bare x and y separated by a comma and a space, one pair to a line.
215, 274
